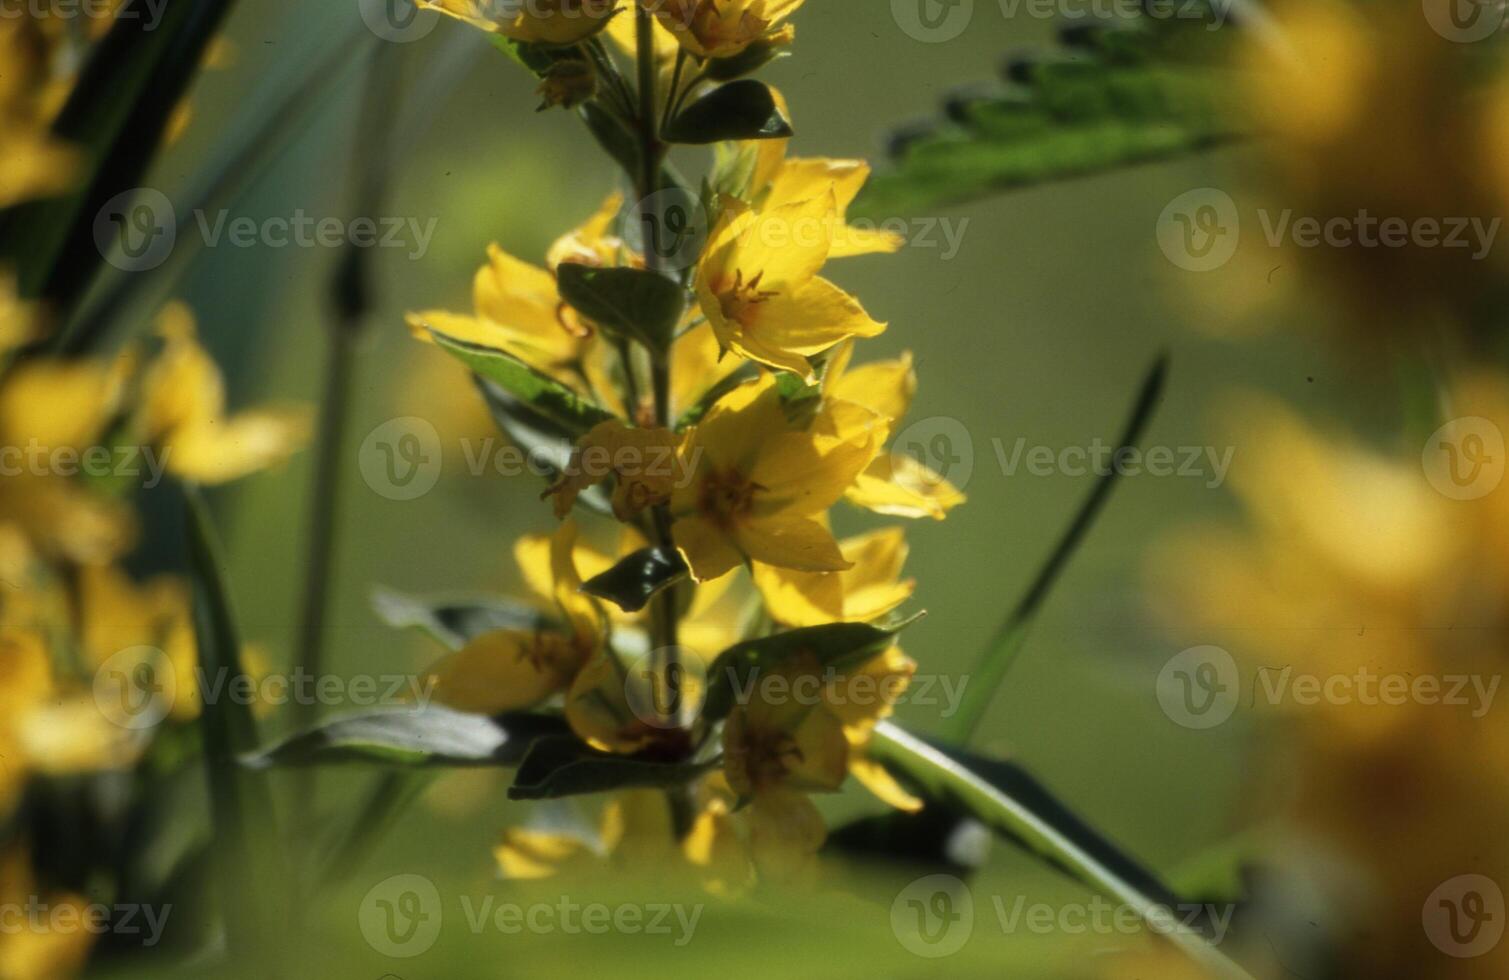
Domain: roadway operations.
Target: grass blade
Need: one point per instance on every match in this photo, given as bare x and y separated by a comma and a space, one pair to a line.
1009, 638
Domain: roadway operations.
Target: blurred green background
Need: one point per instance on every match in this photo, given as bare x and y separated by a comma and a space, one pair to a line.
1041, 328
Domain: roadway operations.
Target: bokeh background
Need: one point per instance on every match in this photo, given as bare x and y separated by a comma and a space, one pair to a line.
1041, 327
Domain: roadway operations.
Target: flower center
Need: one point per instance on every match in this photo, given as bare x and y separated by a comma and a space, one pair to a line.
739, 301
727, 495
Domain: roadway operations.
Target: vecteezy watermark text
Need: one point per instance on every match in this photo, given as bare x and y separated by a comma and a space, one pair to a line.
37, 917
402, 917
137, 230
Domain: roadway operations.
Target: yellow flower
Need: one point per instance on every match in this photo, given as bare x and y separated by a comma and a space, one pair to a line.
868, 590
183, 410
758, 483
552, 22
894, 483
723, 28
34, 162
777, 180
758, 285
509, 670
517, 308
775, 752
41, 953
642, 462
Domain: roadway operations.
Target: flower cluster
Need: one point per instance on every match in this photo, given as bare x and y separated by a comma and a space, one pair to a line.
714, 412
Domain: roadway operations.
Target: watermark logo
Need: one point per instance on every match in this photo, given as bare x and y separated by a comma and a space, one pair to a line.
666, 687
940, 444
1464, 459
401, 916
1199, 688
1464, 917
1199, 230
933, 21
671, 225
934, 916
399, 21
402, 458
135, 688
1465, 21
136, 229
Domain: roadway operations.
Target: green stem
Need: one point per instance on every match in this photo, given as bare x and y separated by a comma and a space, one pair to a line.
1006, 645
351, 295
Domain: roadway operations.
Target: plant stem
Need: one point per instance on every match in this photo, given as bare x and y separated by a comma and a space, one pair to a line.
352, 298
663, 612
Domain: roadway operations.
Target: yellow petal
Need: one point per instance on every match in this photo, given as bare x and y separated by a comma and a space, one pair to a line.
874, 777
504, 670
884, 387
214, 450
528, 854
898, 485
706, 548
793, 542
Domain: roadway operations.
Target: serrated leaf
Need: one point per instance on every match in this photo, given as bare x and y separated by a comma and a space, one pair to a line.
565, 766
1129, 91
636, 304
1036, 822
540, 392
836, 645
412, 737
741, 110
636, 579
454, 621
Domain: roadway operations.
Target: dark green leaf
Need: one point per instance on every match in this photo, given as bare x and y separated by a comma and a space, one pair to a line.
1036, 822
633, 303
635, 580
751, 59
837, 645
545, 395
611, 134
241, 808
1006, 645
412, 737
547, 443
454, 621
742, 110
565, 766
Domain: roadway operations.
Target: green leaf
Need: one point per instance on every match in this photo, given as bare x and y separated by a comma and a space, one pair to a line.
547, 443
565, 766
411, 737
116, 116
1119, 93
632, 303
836, 645
1043, 832
542, 393
455, 621
751, 59
241, 809
635, 580
742, 110
1004, 648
